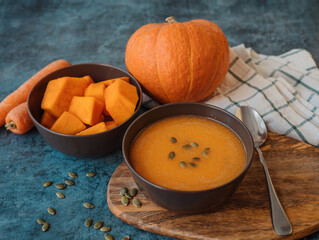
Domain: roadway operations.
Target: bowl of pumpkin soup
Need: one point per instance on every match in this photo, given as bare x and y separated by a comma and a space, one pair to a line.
187, 157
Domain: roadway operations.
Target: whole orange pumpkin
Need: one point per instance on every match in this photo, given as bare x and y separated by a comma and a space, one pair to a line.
178, 62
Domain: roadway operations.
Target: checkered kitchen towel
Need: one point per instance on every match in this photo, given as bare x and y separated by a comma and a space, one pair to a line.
284, 90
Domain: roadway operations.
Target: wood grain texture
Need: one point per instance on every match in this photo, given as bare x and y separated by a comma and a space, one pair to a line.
294, 170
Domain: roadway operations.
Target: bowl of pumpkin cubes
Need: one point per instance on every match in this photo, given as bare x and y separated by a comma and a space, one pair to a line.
84, 110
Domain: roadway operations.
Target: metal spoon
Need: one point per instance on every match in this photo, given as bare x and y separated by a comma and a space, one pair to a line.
258, 130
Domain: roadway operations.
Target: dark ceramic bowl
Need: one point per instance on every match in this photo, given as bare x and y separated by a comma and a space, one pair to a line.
187, 201
82, 145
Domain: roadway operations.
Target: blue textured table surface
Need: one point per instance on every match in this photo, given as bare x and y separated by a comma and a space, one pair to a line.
34, 33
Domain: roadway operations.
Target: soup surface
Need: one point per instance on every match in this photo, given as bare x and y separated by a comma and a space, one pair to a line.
188, 153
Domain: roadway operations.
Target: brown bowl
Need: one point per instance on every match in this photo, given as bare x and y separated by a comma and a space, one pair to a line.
82, 145
187, 201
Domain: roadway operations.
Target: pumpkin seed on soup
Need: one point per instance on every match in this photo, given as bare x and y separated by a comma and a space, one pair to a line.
204, 154
187, 146
193, 144
182, 164
173, 140
192, 164
171, 155
196, 158
207, 149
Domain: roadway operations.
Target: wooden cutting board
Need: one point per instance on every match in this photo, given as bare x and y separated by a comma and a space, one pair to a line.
294, 168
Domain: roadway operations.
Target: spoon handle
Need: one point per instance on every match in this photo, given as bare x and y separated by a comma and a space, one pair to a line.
279, 218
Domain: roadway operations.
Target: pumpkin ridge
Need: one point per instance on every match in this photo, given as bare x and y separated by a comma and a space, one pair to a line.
158, 75
206, 92
191, 64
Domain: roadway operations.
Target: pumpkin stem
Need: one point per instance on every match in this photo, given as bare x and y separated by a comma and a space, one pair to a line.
170, 20
10, 125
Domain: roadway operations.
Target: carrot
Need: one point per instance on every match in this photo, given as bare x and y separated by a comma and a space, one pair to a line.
18, 119
20, 95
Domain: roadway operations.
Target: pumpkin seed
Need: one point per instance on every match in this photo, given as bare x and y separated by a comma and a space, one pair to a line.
133, 192
98, 224
105, 229
123, 191
192, 164
126, 238
187, 146
108, 236
207, 149
51, 211
88, 222
40, 221
182, 164
204, 154
196, 158
173, 140
60, 195
72, 174
45, 227
125, 201
88, 205
137, 203
47, 184
171, 155
128, 195
69, 182
90, 174
60, 186
193, 144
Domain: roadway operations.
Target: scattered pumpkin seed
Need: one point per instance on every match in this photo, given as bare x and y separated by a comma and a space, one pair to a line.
88, 222
128, 195
51, 211
207, 149
137, 203
98, 224
45, 227
196, 158
60, 186
126, 238
133, 192
60, 195
193, 144
91, 174
187, 146
105, 229
69, 182
123, 191
72, 174
171, 155
47, 184
173, 140
192, 164
125, 201
88, 205
182, 164
204, 154
108, 236
40, 221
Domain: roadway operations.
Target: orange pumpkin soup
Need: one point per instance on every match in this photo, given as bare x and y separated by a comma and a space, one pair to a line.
188, 153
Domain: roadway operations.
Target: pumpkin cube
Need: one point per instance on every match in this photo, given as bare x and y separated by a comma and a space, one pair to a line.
97, 128
47, 119
87, 109
110, 81
59, 93
120, 100
67, 123
110, 124
95, 90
